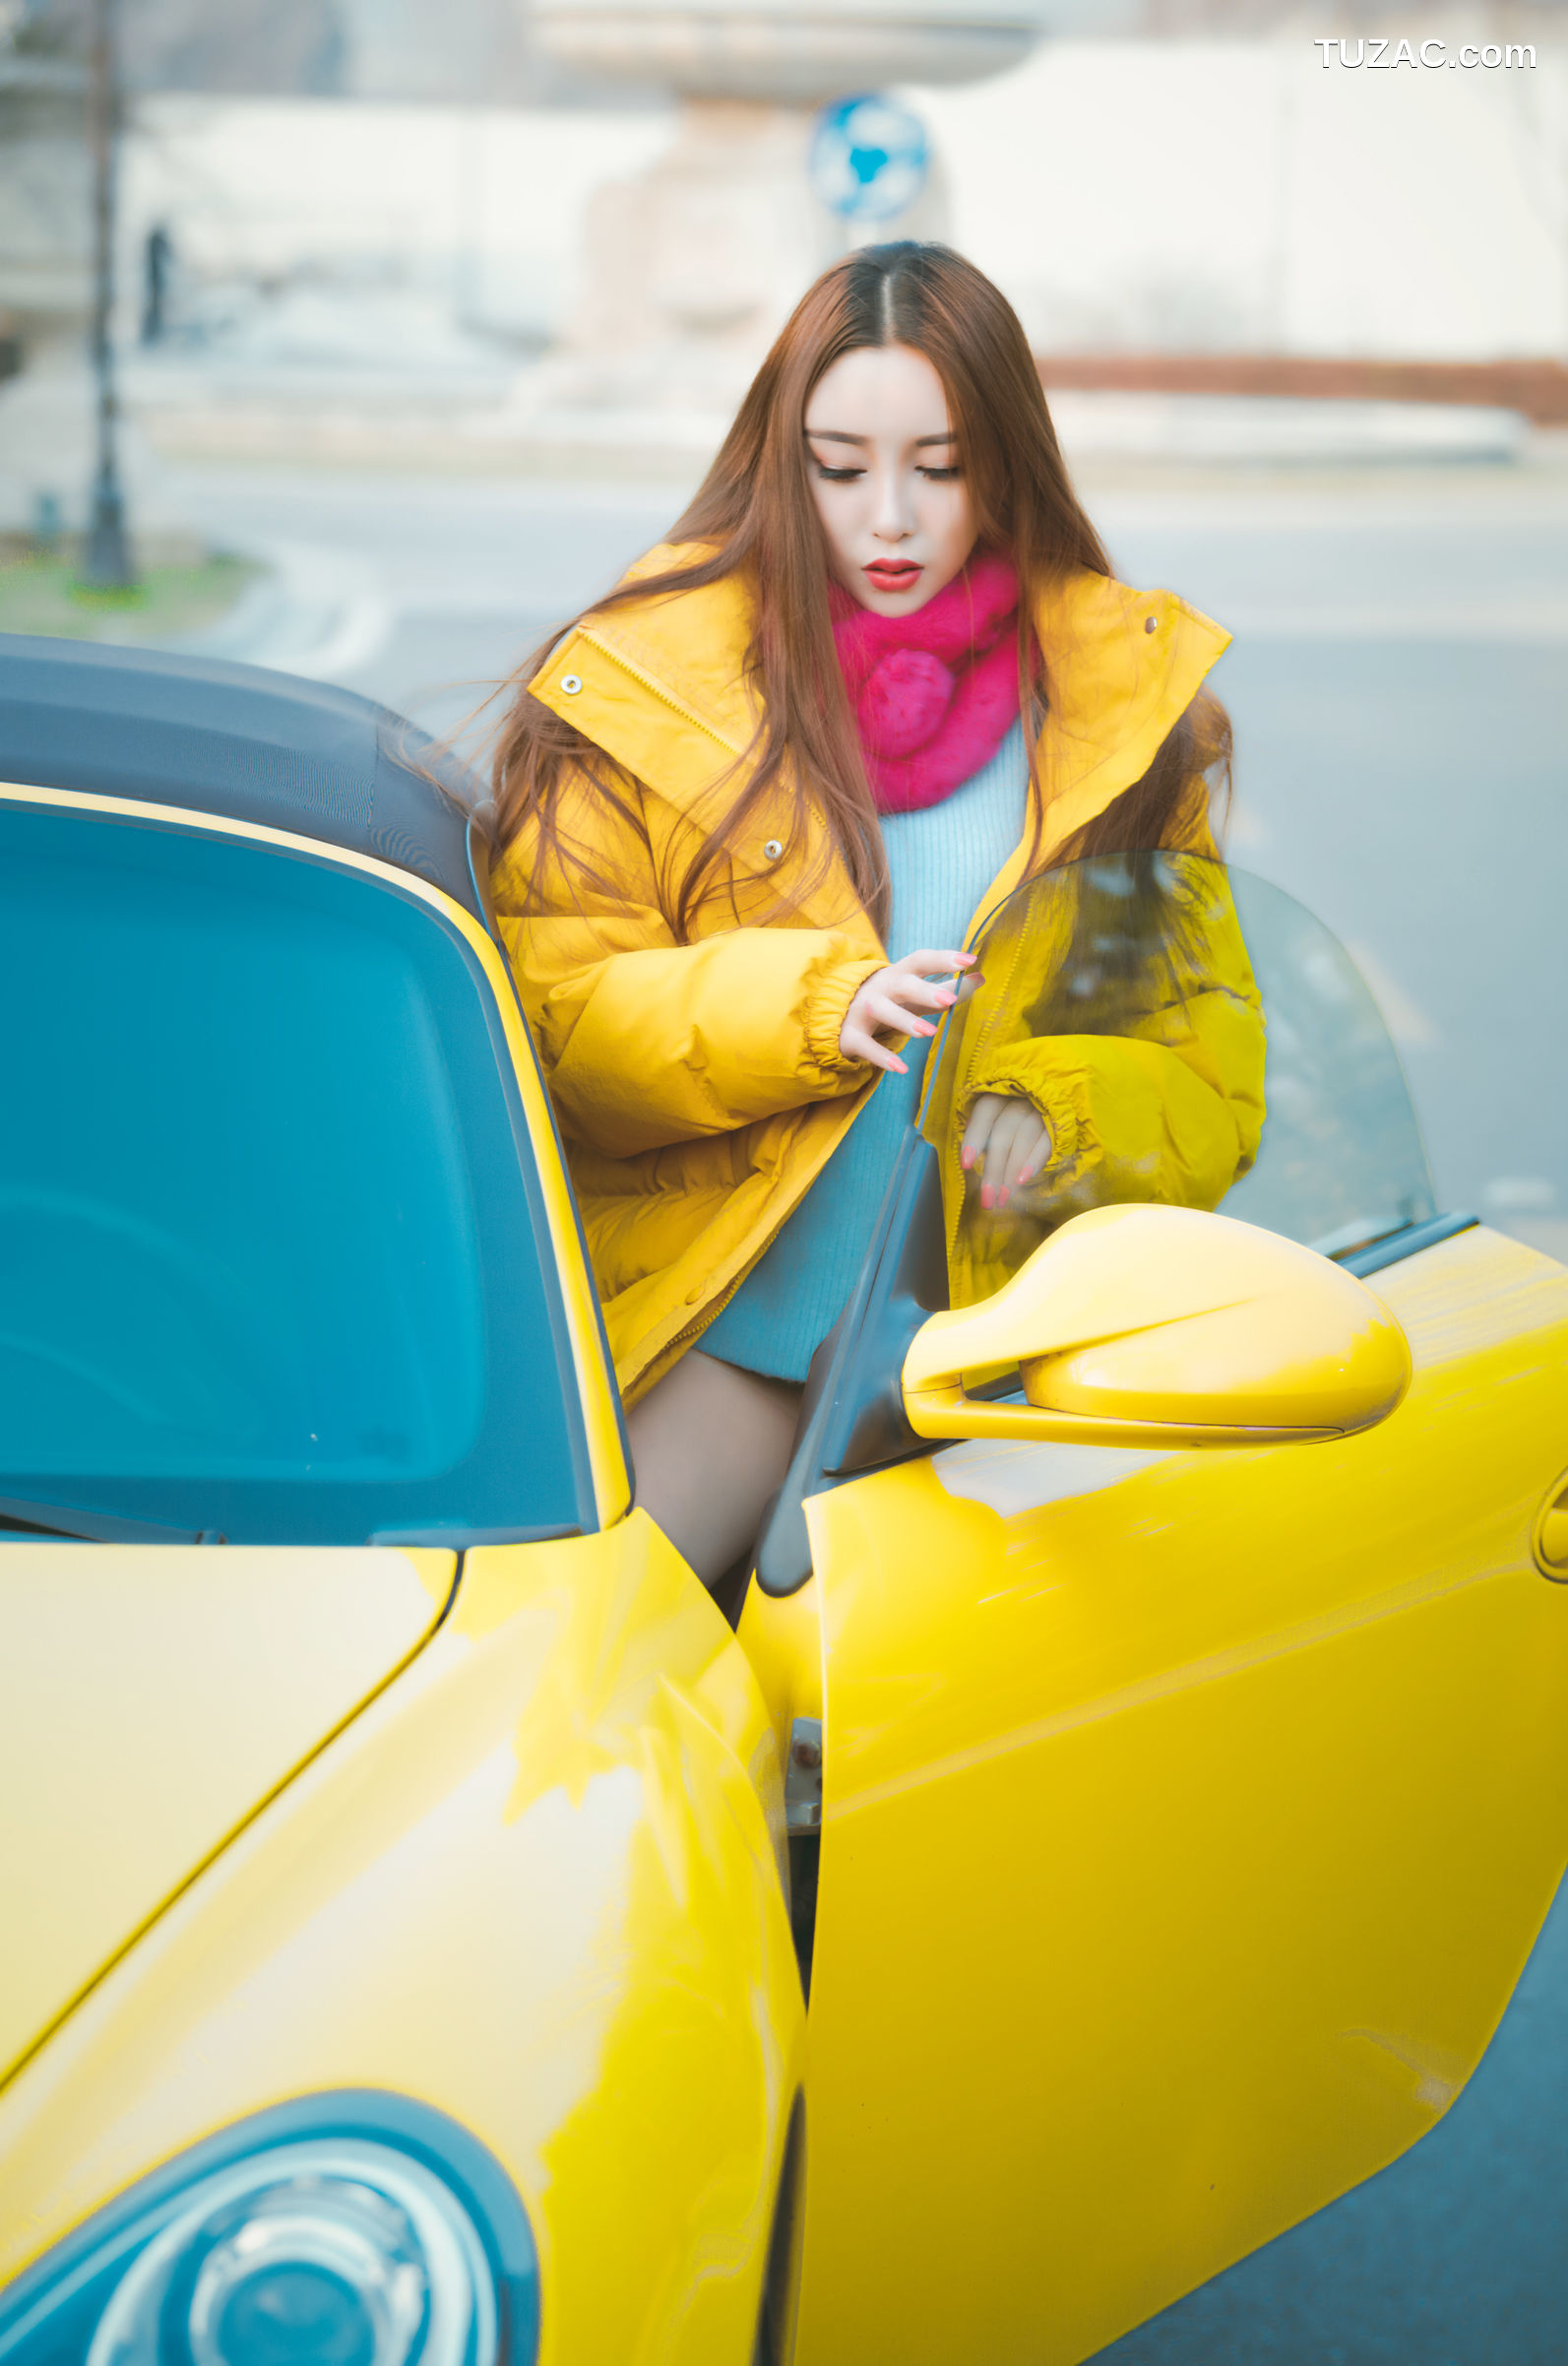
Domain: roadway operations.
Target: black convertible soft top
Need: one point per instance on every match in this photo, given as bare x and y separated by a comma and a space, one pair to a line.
239, 741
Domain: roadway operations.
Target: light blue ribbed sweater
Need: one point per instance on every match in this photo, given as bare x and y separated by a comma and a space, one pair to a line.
940, 863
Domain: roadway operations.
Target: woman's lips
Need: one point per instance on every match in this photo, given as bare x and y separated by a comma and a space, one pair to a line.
893, 574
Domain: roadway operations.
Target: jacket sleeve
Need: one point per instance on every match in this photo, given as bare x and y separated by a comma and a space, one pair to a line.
646, 1041
1171, 1109
1150, 1077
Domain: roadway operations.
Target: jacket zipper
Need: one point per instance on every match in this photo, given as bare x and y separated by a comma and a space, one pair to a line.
658, 690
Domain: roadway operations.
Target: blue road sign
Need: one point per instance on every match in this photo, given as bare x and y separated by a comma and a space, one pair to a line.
868, 157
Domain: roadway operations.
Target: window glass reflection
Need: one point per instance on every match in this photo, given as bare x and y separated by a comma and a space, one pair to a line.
1188, 1035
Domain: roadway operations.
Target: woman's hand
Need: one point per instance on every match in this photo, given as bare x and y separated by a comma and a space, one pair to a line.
893, 998
1009, 1141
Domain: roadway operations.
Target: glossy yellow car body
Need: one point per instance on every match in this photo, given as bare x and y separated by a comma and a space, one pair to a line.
1185, 1830
478, 1844
1187, 1816
506, 1887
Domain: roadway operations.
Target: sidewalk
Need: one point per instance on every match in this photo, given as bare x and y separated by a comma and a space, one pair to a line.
343, 425
333, 595
315, 612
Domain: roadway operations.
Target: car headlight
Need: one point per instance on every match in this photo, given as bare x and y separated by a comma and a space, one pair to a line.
335, 2231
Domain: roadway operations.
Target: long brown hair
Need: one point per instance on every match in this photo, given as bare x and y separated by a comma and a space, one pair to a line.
754, 514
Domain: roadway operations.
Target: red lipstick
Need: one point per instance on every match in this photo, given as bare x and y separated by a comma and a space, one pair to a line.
894, 574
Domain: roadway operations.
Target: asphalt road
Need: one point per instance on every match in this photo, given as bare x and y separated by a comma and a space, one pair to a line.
1399, 681
1452, 2257
1400, 687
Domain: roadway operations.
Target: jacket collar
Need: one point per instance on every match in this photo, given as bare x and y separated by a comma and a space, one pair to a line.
662, 687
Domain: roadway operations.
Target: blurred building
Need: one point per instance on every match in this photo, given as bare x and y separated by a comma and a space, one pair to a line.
465, 52
690, 267
399, 199
44, 198
1221, 191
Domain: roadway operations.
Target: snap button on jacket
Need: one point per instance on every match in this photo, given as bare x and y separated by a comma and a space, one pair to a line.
698, 1084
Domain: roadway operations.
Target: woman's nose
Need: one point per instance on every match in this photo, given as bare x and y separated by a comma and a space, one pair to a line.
893, 521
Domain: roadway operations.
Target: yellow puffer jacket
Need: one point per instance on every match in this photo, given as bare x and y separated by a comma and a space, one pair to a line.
699, 1085
1119, 1001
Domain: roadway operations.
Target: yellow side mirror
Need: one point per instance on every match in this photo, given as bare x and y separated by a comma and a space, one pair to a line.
1164, 1326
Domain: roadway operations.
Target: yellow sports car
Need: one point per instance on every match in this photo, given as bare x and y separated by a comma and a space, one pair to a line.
1142, 1739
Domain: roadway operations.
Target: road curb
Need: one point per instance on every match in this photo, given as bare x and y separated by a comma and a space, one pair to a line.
314, 612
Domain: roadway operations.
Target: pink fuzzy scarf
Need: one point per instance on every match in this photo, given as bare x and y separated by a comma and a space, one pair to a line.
934, 694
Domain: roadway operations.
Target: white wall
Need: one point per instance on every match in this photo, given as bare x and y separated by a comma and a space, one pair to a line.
485, 203
1192, 196
1235, 196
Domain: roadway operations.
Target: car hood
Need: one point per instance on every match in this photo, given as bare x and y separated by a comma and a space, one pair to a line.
150, 1700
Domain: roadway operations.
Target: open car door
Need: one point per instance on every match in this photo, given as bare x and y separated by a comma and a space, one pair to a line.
1187, 1814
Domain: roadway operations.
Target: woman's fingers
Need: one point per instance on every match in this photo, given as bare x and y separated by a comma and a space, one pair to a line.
984, 1114
928, 964
915, 993
893, 998
1027, 1146
1028, 1151
1034, 1150
926, 994
1015, 1130
886, 1010
871, 1008
1009, 1141
859, 1043
1006, 1138
1000, 1159
906, 985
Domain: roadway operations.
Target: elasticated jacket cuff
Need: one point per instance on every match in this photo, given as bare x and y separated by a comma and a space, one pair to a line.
830, 1007
1057, 1099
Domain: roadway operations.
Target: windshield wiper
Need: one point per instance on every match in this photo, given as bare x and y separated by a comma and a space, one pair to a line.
21, 1517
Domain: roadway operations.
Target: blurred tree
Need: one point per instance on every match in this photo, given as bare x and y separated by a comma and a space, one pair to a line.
255, 47
434, 50
46, 189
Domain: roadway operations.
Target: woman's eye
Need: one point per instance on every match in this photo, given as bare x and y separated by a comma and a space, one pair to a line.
941, 475
838, 475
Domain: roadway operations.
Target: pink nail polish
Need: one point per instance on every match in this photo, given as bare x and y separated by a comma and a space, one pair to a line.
986, 1196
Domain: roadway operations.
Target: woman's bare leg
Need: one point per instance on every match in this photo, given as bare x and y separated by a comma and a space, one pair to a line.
710, 1444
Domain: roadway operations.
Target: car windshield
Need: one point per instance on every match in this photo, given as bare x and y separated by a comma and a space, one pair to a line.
268, 1262
1190, 1034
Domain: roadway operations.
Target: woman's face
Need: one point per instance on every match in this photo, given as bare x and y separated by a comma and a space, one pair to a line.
883, 463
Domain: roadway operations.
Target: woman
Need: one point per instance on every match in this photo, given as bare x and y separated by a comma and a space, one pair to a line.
751, 805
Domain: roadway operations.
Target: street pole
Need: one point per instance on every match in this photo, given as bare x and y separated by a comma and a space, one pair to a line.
107, 561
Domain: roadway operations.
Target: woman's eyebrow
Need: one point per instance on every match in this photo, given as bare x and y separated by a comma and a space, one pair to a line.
839, 435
